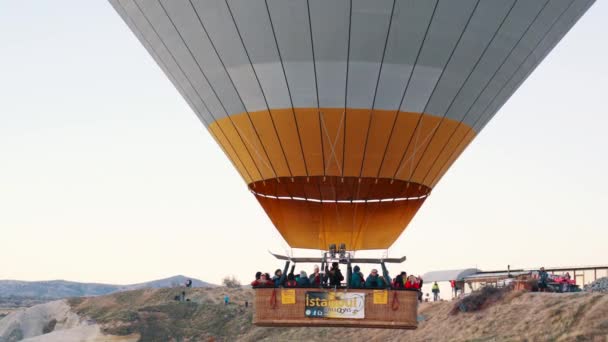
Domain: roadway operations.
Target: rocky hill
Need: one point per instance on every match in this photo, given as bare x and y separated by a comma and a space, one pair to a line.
154, 315
55, 289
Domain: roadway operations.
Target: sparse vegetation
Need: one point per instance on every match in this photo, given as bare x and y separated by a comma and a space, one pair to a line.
157, 317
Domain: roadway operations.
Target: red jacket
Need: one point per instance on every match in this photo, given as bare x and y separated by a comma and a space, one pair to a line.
412, 285
315, 279
260, 283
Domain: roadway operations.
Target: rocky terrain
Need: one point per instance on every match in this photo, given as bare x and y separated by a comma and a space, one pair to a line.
599, 285
155, 315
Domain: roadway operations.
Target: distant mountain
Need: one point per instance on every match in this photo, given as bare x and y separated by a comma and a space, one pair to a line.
54, 289
167, 282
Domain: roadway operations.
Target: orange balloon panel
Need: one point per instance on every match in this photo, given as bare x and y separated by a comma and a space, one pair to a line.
314, 213
407, 146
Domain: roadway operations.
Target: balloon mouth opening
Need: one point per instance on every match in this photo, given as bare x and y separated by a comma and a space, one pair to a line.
336, 189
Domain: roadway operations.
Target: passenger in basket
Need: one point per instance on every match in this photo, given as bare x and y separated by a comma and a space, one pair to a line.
357, 280
256, 281
315, 277
335, 275
373, 280
412, 283
303, 280
291, 281
278, 278
262, 281
281, 276
399, 281
266, 278
382, 283
386, 278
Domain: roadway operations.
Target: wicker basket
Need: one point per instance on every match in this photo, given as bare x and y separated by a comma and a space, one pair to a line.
399, 311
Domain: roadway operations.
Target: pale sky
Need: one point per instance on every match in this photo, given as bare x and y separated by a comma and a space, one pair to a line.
106, 175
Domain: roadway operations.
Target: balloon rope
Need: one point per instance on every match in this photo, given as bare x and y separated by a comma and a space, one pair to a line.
395, 304
273, 299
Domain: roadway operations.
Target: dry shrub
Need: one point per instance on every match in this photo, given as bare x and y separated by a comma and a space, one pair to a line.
231, 282
479, 300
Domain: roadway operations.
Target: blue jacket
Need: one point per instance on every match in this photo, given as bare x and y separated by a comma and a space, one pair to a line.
357, 280
544, 276
374, 282
303, 281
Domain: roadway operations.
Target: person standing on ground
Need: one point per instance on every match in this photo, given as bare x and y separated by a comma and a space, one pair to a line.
566, 282
435, 290
453, 285
543, 278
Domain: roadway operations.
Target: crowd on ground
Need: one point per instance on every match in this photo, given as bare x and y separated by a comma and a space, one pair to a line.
333, 277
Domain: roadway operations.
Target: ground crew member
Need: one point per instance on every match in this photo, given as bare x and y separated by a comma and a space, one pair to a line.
435, 290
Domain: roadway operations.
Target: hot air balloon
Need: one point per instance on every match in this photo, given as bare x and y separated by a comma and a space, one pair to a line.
342, 115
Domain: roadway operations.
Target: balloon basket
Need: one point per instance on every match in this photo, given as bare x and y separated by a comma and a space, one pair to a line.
320, 307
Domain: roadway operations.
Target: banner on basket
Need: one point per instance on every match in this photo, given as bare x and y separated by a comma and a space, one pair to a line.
334, 305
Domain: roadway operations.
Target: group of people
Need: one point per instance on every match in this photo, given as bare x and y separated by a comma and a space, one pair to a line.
280, 279
333, 277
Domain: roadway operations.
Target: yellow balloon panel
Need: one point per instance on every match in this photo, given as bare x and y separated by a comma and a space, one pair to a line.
334, 142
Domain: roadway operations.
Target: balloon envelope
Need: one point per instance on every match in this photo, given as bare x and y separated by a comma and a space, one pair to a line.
342, 116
